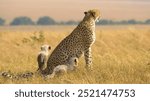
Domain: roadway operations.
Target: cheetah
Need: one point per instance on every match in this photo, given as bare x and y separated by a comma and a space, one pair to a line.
14, 76
75, 44
42, 57
70, 66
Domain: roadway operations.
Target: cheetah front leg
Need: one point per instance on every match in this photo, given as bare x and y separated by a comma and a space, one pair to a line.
88, 58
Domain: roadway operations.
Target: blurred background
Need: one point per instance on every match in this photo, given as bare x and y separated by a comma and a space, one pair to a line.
121, 52
49, 12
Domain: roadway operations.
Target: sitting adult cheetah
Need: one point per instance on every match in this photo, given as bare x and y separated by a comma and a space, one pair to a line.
77, 43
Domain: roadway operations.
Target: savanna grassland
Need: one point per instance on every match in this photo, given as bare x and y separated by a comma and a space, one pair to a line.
121, 54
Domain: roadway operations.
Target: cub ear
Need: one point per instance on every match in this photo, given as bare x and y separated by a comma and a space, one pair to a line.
49, 47
85, 13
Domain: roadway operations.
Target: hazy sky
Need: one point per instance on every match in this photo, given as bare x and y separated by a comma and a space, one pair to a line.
73, 9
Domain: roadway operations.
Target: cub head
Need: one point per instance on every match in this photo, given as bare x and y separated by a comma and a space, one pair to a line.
45, 48
94, 13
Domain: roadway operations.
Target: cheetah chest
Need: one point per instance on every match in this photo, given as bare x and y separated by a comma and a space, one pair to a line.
90, 38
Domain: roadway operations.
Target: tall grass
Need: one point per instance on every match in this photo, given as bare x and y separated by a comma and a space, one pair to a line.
121, 54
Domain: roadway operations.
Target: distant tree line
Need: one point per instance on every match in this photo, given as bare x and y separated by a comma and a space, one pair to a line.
50, 21
2, 21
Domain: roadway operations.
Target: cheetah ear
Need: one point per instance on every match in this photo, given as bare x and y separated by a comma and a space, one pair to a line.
85, 13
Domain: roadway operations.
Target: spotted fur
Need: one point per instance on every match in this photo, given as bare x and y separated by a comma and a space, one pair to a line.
77, 43
14, 76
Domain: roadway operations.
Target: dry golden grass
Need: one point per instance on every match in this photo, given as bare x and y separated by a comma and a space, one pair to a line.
121, 54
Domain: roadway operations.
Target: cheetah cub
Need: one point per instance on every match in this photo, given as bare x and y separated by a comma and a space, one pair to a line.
70, 66
42, 57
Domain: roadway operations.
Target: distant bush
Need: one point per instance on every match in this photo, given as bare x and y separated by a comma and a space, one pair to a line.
105, 22
71, 22
123, 22
147, 21
46, 21
2, 21
132, 21
22, 21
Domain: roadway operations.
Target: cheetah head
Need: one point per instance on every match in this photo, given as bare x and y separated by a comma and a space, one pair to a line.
94, 13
